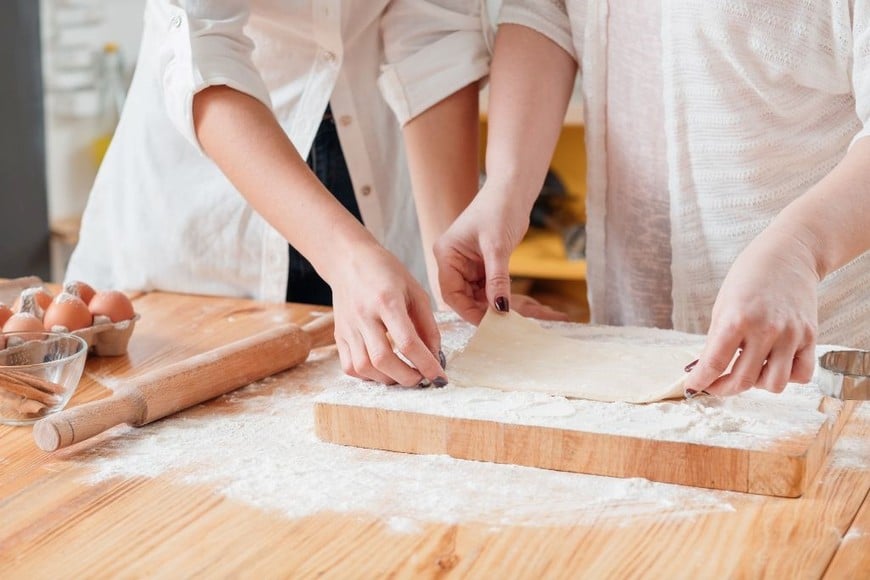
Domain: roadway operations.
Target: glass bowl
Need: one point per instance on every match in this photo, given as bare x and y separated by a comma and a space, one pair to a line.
39, 372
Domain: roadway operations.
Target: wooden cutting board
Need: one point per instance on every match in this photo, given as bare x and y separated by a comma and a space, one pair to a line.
785, 468
757, 443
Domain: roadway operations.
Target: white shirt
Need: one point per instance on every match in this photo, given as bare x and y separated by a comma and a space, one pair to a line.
761, 100
637, 220
161, 215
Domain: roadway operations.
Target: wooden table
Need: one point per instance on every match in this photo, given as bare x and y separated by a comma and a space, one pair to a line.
53, 525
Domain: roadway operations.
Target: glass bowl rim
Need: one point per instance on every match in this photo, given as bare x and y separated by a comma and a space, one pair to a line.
45, 334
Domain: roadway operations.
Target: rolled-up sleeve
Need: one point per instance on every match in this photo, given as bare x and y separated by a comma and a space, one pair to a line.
432, 49
206, 45
549, 17
861, 66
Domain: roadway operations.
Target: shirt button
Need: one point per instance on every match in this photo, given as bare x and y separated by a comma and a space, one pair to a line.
345, 120
176, 21
366, 190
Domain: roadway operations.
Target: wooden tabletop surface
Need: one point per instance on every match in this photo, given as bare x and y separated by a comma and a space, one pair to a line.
55, 524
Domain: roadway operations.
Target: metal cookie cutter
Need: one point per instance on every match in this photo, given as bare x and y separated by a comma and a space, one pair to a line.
845, 374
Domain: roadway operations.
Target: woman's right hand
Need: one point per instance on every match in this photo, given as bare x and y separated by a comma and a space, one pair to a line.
473, 254
375, 300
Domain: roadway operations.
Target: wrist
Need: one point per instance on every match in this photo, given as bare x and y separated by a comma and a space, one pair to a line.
348, 250
508, 199
800, 242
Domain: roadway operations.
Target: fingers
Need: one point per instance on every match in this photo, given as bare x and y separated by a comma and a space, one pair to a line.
498, 281
713, 362
460, 283
804, 364
361, 359
531, 308
424, 322
768, 360
404, 332
367, 352
744, 374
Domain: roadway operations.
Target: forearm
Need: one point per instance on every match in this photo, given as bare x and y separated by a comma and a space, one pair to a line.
530, 86
242, 136
831, 222
442, 146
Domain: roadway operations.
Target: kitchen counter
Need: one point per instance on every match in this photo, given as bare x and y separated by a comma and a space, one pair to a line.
56, 522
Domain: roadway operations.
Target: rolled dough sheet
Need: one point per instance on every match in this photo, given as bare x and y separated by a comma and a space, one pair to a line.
512, 353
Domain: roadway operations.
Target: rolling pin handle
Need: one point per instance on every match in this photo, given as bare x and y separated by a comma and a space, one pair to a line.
321, 330
80, 423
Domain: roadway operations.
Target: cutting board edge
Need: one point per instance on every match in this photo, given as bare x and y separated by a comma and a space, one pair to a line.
485, 440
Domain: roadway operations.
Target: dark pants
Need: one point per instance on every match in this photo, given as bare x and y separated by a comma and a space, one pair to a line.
327, 162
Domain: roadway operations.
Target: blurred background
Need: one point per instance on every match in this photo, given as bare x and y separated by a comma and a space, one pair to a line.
62, 92
64, 86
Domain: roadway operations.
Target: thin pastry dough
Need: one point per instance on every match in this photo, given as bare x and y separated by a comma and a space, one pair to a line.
512, 353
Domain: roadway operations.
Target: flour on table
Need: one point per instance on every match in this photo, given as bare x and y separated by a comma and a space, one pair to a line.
512, 353
257, 446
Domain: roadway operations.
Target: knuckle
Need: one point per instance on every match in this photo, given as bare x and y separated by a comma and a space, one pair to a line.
406, 344
742, 382
347, 367
716, 363
380, 357
388, 299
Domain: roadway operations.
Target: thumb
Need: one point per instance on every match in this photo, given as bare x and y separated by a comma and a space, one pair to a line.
498, 280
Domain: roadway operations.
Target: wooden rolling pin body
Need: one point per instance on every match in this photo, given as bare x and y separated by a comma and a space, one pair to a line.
179, 386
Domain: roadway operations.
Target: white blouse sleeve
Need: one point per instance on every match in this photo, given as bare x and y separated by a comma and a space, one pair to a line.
548, 17
206, 46
861, 65
432, 49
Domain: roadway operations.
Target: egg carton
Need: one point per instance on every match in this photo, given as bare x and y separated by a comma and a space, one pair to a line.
104, 337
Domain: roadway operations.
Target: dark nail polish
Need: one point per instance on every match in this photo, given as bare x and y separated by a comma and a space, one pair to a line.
424, 384
439, 382
688, 368
501, 304
442, 359
690, 393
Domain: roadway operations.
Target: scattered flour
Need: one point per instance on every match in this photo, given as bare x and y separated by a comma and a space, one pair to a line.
257, 446
853, 452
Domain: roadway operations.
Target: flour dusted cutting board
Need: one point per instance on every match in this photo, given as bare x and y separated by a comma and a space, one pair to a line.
757, 442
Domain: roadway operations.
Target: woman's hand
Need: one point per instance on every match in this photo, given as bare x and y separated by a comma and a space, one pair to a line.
766, 313
531, 308
375, 300
473, 254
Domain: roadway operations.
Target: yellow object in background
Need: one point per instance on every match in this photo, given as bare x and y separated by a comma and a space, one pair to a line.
99, 146
113, 92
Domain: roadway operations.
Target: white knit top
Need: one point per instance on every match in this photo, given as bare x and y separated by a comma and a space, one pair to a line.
761, 100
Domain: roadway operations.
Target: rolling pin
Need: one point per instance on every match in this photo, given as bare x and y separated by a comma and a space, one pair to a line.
181, 385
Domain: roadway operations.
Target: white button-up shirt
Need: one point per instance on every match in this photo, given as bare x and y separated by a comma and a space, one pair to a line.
760, 101
161, 215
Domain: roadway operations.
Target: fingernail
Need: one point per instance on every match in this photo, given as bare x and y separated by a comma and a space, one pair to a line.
690, 393
442, 359
501, 304
439, 382
688, 368
424, 384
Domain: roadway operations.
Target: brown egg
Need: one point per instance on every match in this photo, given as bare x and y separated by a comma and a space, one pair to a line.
23, 322
5, 313
80, 289
40, 296
113, 304
68, 311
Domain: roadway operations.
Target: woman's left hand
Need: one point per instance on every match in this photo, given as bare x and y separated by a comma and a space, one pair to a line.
766, 315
